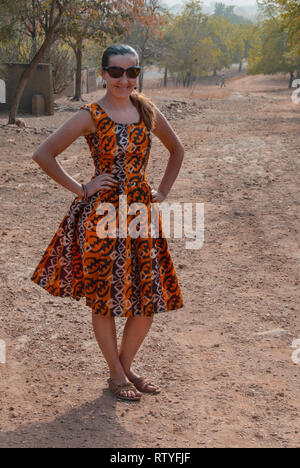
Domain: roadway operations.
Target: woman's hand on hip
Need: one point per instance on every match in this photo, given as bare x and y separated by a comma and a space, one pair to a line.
157, 195
105, 181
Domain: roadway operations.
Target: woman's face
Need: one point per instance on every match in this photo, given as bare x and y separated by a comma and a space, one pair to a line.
120, 87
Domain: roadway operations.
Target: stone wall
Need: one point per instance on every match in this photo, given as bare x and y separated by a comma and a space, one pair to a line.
2, 91
41, 82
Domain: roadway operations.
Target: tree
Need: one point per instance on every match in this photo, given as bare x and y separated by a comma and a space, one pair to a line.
7, 21
55, 8
245, 32
11, 43
163, 45
288, 13
99, 20
47, 20
222, 33
191, 51
145, 31
235, 40
83, 20
272, 53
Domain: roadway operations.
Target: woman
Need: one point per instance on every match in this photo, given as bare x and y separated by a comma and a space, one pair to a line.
124, 276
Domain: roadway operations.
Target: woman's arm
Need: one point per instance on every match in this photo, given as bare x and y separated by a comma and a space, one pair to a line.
80, 124
168, 137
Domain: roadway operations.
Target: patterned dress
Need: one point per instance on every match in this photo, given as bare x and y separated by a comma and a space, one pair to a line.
122, 275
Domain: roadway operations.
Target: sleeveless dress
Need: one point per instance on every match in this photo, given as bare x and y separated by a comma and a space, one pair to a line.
122, 274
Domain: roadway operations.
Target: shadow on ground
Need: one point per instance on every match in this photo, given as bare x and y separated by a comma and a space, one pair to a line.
93, 424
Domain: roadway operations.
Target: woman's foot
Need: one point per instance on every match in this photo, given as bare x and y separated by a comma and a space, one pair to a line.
129, 392
142, 384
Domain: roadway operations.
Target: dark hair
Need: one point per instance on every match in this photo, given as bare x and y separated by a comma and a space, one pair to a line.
143, 104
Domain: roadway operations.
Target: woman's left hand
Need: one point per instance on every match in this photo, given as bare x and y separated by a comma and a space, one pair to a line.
157, 196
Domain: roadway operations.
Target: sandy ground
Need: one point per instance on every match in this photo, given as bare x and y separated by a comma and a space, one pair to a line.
224, 362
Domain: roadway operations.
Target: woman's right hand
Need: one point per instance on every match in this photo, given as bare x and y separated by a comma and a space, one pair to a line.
105, 181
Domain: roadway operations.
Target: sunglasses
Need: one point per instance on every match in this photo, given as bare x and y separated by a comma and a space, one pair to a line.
117, 72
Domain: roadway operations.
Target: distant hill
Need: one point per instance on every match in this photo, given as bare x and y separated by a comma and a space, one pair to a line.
176, 6
249, 10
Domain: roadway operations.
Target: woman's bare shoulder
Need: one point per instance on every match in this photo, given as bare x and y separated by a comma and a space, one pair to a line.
87, 118
80, 124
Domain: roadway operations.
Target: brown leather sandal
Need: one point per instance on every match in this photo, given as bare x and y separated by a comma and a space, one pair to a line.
116, 389
141, 383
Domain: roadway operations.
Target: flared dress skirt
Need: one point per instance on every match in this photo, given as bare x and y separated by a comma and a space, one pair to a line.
96, 252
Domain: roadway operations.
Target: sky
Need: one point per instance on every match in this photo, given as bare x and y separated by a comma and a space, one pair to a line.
207, 2
235, 2
247, 6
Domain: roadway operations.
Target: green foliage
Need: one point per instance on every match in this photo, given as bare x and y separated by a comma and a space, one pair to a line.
8, 21
16, 50
192, 53
194, 44
232, 40
26, 22
221, 32
83, 20
272, 53
287, 14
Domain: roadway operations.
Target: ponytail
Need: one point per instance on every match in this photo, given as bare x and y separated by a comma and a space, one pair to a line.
145, 107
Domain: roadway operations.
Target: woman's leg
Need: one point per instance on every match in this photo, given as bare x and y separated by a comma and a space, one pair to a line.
105, 332
135, 331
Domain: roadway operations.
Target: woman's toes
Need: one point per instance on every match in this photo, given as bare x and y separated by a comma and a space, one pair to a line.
129, 394
152, 386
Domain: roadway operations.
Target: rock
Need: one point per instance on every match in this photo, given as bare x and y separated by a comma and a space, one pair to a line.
20, 123
274, 332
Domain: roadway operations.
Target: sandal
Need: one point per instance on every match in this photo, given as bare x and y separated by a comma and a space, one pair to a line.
141, 382
116, 389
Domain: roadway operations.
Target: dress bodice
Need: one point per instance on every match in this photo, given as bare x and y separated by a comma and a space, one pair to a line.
119, 147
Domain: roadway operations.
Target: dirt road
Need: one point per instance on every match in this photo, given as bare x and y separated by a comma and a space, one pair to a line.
224, 362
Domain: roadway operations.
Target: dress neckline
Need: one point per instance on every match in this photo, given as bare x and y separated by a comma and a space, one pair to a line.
119, 123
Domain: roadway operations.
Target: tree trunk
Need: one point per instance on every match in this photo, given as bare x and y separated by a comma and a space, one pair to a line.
166, 77
188, 79
34, 44
32, 66
240, 67
78, 53
291, 79
141, 80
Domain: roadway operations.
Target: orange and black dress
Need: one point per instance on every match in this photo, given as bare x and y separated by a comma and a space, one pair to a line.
120, 275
